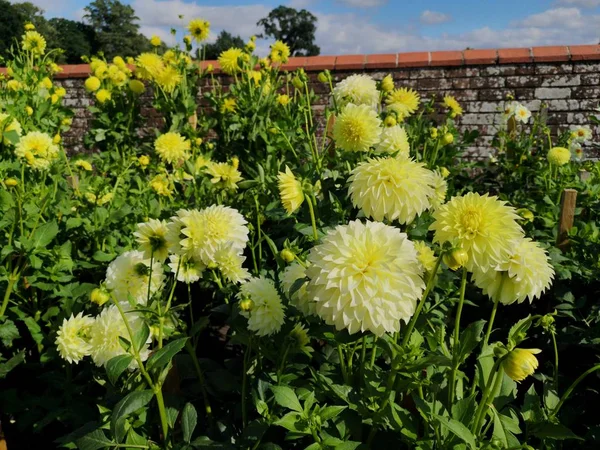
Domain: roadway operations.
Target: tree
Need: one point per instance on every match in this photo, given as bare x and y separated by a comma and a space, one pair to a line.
11, 28
295, 28
75, 38
117, 31
224, 41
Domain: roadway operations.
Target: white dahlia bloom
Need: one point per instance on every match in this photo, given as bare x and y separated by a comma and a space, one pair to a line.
229, 261
267, 314
152, 239
300, 298
73, 338
129, 274
357, 89
394, 139
391, 188
526, 275
105, 333
440, 187
365, 277
174, 235
188, 270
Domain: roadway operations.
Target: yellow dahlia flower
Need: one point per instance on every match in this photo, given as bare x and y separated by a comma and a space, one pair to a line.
199, 29
300, 298
103, 96
92, 84
137, 87
162, 185
228, 106
520, 363
229, 60
73, 338
168, 79
440, 186
526, 274
290, 190
34, 42
404, 99
559, 156
85, 165
29, 27
365, 277
283, 99
37, 149
151, 237
391, 188
13, 85
129, 275
148, 66
454, 107
280, 52
387, 84
229, 261
268, 313
255, 76
425, 255
46, 83
172, 147
106, 332
6, 126
188, 270
357, 128
225, 176
483, 226
155, 41
394, 139
357, 89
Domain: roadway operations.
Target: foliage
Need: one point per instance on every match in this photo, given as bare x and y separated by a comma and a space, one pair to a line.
224, 41
294, 28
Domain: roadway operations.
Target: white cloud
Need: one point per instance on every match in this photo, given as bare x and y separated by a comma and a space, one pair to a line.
300, 4
582, 3
557, 17
434, 17
363, 3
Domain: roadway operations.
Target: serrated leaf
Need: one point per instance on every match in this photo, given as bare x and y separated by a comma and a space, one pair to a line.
329, 412
44, 235
162, 357
293, 421
287, 398
127, 405
116, 366
189, 420
458, 429
469, 339
94, 441
9, 365
8, 333
140, 338
553, 431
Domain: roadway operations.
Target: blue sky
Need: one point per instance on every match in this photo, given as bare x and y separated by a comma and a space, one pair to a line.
380, 26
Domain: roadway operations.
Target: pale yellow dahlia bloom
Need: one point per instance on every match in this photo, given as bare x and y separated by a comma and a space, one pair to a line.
526, 274
187, 270
520, 363
300, 298
483, 226
559, 156
108, 327
582, 134
403, 99
365, 277
148, 66
174, 232
454, 107
522, 114
290, 190
229, 261
425, 255
440, 186
387, 84
229, 60
268, 313
394, 139
391, 188
73, 338
37, 149
129, 275
151, 237
223, 175
7, 125
357, 89
199, 29
34, 42
172, 147
280, 52
357, 128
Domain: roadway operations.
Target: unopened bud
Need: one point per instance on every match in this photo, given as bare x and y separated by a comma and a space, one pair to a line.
99, 296
448, 139
456, 259
287, 255
246, 305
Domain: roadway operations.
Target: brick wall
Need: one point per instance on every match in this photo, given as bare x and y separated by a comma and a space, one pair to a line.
567, 79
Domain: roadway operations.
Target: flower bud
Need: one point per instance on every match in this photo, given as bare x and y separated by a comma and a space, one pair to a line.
456, 259
11, 182
448, 139
433, 132
29, 110
246, 305
444, 172
520, 363
390, 121
324, 76
287, 255
297, 82
144, 160
526, 214
198, 141
547, 322
56, 139
387, 84
235, 162
210, 68
99, 296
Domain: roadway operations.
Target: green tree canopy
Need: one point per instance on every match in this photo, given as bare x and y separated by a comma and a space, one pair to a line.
116, 28
77, 39
295, 28
11, 26
224, 41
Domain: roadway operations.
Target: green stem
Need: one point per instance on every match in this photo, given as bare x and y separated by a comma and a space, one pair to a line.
571, 388
456, 338
555, 362
388, 389
201, 379
414, 318
373, 353
486, 392
12, 279
490, 398
363, 356
494, 310
342, 363
312, 217
247, 355
282, 364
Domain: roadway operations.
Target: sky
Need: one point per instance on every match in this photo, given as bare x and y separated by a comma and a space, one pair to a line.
380, 26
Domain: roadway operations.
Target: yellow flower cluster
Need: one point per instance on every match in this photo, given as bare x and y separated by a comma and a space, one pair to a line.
37, 149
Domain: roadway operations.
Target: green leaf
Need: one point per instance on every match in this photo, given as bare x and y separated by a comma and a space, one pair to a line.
286, 397
553, 431
94, 441
162, 357
205, 442
518, 332
8, 333
116, 366
532, 410
469, 339
9, 365
505, 428
348, 445
293, 421
141, 336
103, 257
34, 329
44, 235
329, 412
128, 404
189, 420
458, 429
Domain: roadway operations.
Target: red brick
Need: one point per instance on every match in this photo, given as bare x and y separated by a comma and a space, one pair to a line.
74, 71
413, 59
350, 62
550, 54
320, 62
448, 58
383, 61
514, 55
295, 62
215, 64
585, 52
480, 56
